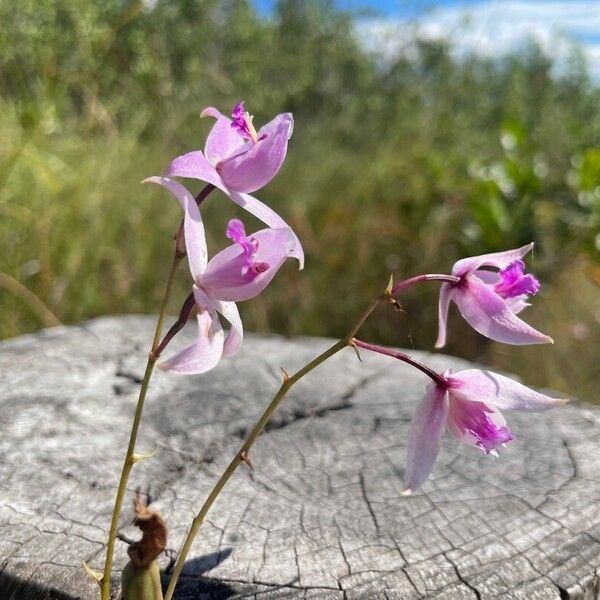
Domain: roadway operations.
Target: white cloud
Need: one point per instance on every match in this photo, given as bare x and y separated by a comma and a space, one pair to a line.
496, 28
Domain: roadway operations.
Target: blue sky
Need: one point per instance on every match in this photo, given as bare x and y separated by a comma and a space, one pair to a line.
485, 27
389, 8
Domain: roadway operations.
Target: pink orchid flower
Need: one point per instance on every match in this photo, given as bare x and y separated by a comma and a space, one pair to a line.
239, 272
237, 160
468, 403
490, 300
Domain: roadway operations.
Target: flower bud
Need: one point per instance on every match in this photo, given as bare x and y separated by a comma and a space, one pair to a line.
141, 583
141, 576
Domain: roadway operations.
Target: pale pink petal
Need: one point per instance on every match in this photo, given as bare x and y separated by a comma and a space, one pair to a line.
193, 227
269, 217
424, 440
259, 209
500, 260
235, 335
194, 165
225, 279
489, 277
210, 111
499, 391
517, 303
285, 120
253, 168
490, 315
444, 304
223, 139
205, 353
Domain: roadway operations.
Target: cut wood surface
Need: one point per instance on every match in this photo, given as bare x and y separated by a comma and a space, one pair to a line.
321, 516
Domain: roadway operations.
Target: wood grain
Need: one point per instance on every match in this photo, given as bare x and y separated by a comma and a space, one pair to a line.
321, 515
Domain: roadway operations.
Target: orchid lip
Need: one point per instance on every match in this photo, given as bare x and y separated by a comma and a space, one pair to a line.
475, 419
249, 244
242, 122
514, 282
490, 437
255, 269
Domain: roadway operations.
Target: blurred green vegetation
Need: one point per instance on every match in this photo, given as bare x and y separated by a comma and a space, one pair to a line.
402, 166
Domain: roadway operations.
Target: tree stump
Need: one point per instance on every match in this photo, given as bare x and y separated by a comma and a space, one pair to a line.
321, 515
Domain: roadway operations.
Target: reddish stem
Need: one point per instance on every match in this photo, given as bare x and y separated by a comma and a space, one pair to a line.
437, 377
204, 192
184, 314
179, 240
427, 277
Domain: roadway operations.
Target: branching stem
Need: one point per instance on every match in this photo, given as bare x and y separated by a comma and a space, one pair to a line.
288, 382
258, 428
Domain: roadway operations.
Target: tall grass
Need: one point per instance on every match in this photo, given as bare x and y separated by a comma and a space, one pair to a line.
400, 167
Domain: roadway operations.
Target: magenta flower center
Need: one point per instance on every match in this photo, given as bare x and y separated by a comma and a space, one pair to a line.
249, 244
242, 122
474, 418
513, 282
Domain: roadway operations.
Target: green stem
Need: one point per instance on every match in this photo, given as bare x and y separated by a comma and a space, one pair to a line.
242, 454
129, 457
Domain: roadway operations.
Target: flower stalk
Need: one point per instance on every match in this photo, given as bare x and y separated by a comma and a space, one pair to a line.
130, 457
436, 377
426, 277
184, 315
242, 455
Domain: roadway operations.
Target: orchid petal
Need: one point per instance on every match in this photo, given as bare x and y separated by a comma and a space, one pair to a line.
259, 209
259, 162
269, 217
490, 315
425, 433
223, 140
234, 338
517, 303
285, 120
224, 278
204, 354
499, 391
444, 304
193, 227
500, 260
489, 277
194, 165
210, 111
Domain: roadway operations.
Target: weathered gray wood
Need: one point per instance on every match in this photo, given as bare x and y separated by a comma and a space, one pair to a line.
321, 516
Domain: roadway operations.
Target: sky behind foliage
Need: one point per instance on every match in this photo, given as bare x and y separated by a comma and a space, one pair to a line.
488, 28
